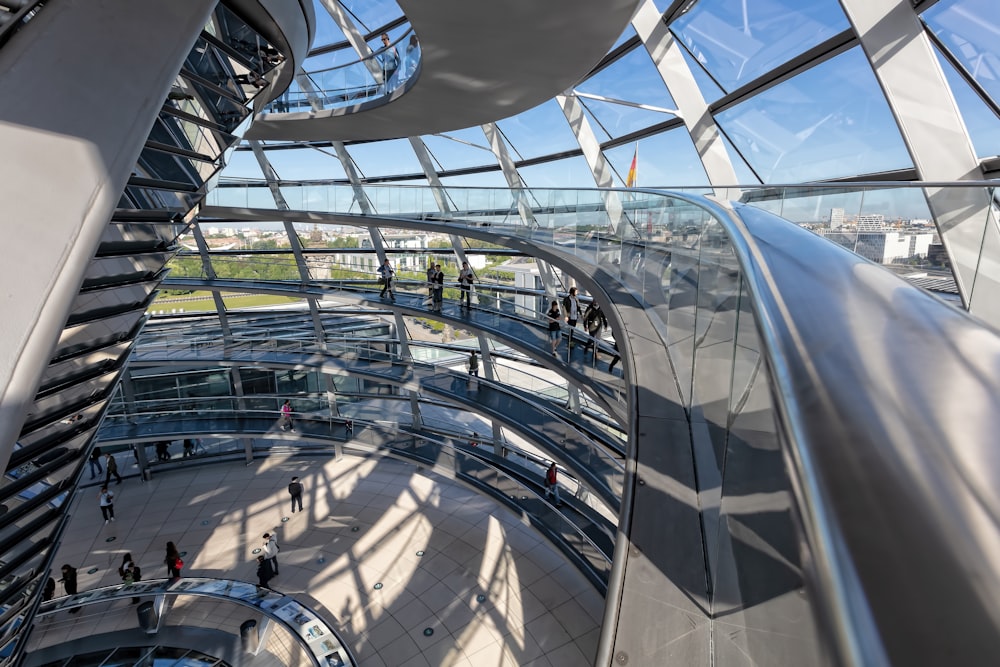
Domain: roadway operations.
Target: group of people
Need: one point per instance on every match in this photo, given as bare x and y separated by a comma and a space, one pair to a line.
594, 323
435, 284
110, 463
267, 562
128, 571
396, 69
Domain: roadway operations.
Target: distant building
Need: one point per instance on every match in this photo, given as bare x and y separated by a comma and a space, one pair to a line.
871, 223
884, 247
836, 218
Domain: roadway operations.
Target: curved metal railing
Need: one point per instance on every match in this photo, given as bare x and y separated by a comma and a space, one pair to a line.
366, 81
863, 465
304, 634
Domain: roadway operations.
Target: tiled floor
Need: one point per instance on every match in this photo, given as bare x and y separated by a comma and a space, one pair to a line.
364, 522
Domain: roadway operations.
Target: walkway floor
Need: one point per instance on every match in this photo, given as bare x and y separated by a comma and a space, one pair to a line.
364, 522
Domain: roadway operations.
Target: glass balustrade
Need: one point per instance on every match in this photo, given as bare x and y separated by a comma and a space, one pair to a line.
372, 79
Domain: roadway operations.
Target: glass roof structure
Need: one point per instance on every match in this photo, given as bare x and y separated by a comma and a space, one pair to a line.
720, 176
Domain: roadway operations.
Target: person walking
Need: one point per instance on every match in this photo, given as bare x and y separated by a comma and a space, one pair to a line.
295, 491
552, 484
69, 583
594, 321
264, 572
129, 572
571, 306
473, 365
112, 466
49, 591
386, 273
271, 550
95, 462
614, 361
285, 420
555, 323
465, 279
438, 299
106, 499
173, 560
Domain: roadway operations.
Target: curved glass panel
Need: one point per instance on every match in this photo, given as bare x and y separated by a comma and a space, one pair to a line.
738, 41
969, 29
827, 122
389, 67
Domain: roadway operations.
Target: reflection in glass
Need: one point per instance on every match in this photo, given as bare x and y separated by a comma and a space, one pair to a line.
969, 28
738, 41
827, 122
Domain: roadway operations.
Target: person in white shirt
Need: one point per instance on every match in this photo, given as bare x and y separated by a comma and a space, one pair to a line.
271, 552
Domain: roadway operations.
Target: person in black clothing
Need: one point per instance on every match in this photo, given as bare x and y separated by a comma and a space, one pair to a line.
129, 572
173, 560
438, 300
264, 572
95, 462
112, 467
594, 321
69, 583
555, 321
616, 359
50, 590
295, 490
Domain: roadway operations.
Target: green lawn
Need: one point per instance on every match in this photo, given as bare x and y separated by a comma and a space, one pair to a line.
168, 303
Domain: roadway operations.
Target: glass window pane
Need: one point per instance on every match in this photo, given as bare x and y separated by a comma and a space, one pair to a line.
682, 168
539, 131
385, 158
632, 78
969, 29
456, 150
982, 124
827, 122
565, 173
738, 41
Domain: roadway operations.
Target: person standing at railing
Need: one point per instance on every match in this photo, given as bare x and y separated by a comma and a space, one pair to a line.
430, 282
552, 484
285, 420
385, 275
465, 279
410, 57
388, 58
438, 300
